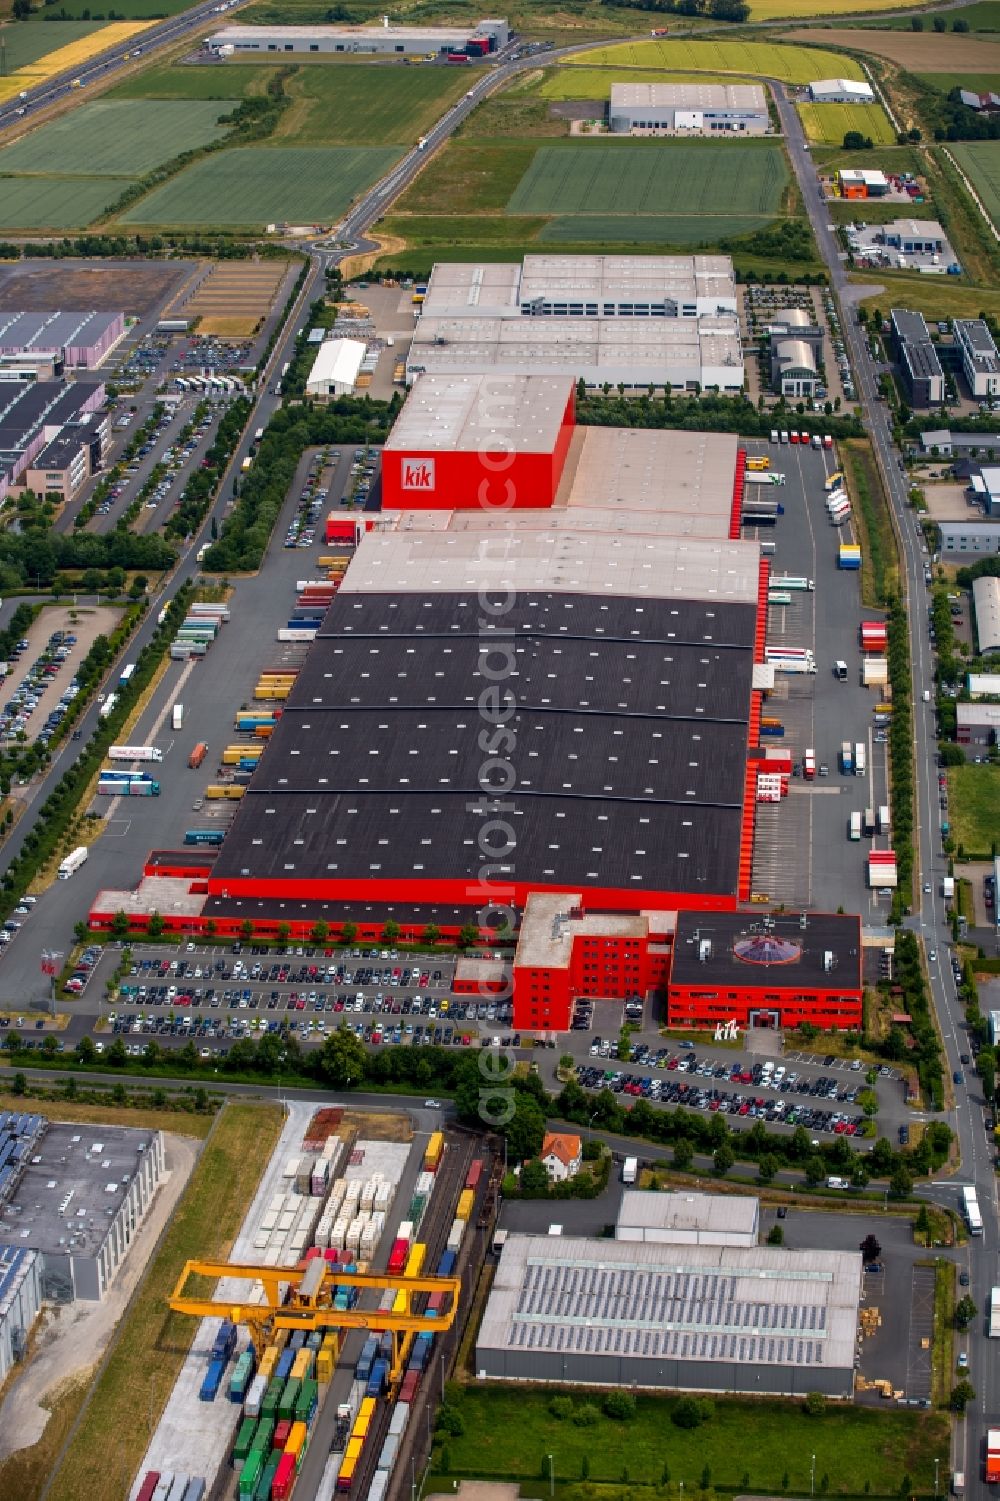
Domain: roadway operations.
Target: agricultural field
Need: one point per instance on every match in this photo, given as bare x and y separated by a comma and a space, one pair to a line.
979, 83
367, 104
983, 15
792, 64
685, 231
220, 81
653, 178
27, 42
829, 123
32, 55
256, 185
595, 83
937, 297
475, 179
787, 10
973, 801
917, 51
56, 202
115, 138
980, 161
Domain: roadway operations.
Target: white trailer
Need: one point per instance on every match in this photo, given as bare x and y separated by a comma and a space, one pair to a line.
72, 863
995, 1313
134, 753
177, 716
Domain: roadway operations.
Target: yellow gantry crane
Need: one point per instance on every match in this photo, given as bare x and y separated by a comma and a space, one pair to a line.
303, 1299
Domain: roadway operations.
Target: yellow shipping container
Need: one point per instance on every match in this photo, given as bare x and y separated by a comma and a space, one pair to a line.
465, 1201
218, 789
296, 1440
324, 1367
399, 1302
302, 1365
268, 1361
434, 1149
331, 1342
415, 1260
759, 464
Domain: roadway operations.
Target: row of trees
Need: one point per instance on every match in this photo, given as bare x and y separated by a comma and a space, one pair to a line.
709, 412
926, 1050
901, 751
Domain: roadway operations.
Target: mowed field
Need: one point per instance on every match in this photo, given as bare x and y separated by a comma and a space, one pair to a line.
595, 83
981, 161
917, 51
980, 83
367, 105
56, 202
829, 123
780, 10
222, 81
114, 138
255, 185
792, 64
652, 178
689, 231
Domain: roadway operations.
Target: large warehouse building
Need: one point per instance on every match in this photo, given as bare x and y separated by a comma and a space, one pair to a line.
73, 340
708, 109
33, 415
760, 1320
475, 40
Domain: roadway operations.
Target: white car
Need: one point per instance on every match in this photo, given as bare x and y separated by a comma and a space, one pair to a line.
432, 1105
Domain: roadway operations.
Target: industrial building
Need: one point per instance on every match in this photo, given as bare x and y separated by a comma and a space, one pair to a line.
942, 443
584, 286
841, 91
72, 340
81, 1200
473, 440
861, 183
776, 970
20, 1303
336, 368
915, 236
388, 39
793, 367
917, 358
969, 538
688, 1219
977, 726
630, 1314
986, 608
33, 415
983, 684
688, 109
980, 358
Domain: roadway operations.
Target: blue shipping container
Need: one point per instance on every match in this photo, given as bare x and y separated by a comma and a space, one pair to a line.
363, 1369
284, 1365
296, 1340
213, 1380
378, 1379
446, 1265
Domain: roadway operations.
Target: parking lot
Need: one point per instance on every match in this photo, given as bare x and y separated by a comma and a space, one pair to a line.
802, 852
42, 679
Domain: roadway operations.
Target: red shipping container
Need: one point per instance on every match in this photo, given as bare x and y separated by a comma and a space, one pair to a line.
284, 1478
150, 1481
474, 1174
408, 1387
281, 1433
398, 1254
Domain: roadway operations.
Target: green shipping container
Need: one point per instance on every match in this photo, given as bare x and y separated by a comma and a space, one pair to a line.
307, 1403
263, 1435
243, 1440
289, 1397
263, 1491
250, 1475
269, 1406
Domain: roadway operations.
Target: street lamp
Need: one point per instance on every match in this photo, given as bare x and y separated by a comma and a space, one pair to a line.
552, 1478
936, 1464
812, 1477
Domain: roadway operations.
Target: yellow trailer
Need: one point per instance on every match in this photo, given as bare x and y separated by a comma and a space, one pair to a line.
225, 790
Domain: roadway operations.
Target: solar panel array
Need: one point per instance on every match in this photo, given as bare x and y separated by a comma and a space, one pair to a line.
661, 1313
18, 1136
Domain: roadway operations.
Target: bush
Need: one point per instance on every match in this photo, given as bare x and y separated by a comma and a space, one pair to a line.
619, 1405
450, 1421
587, 1415
691, 1412
561, 1408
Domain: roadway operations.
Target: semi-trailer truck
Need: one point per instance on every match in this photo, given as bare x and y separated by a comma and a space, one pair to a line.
860, 759
854, 827
134, 753
948, 886
198, 755
177, 716
847, 758
72, 863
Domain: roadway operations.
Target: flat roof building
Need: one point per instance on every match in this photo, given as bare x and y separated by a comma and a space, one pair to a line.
986, 606
688, 1219
80, 1201
20, 1303
841, 91
915, 236
648, 351
862, 182
983, 684
688, 109
969, 538
388, 39
980, 358
917, 357
762, 1319
336, 368
776, 970
977, 725
78, 340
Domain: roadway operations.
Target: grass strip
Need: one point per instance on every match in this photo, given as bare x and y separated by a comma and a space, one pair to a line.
152, 1342
880, 567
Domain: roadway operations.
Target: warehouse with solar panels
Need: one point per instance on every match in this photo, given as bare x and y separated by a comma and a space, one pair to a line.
757, 1319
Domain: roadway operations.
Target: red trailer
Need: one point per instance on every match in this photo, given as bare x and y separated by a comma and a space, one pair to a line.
408, 1386
151, 1480
284, 1478
474, 1174
398, 1254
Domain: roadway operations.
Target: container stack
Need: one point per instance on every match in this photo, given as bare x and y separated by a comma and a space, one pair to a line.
199, 628
169, 1485
849, 556
274, 683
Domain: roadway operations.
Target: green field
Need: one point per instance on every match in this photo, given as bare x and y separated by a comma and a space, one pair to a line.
829, 123
56, 202
856, 1449
652, 178
471, 179
792, 64
115, 138
984, 15
979, 82
367, 105
974, 802
29, 40
125, 10
253, 185
980, 160
227, 81
684, 231
595, 83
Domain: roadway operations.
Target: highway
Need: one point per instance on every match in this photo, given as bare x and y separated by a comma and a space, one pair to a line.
929, 920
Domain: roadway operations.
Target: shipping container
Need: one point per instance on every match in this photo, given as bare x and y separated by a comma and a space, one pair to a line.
308, 1401
387, 1458
244, 1438
408, 1387
195, 1489
363, 1421
415, 1260
369, 1350
400, 1418
266, 1481
297, 1443
283, 1369
446, 1266
250, 1474
466, 1199
432, 1156
455, 1234
474, 1174
150, 1481
379, 1486
289, 1397
379, 1379
350, 1463
198, 755
212, 1381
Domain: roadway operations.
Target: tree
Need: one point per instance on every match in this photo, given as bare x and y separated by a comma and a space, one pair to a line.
343, 1058
525, 1131
85, 1050
940, 24
683, 1153
320, 932
815, 1172
916, 23
962, 1395
468, 934
534, 1179
901, 1182
283, 933
155, 925
767, 1166
870, 1248
348, 932
21, 10
776, 1236
432, 933
119, 925
116, 1054
868, 1100
20, 1084
815, 1405
619, 1405
246, 930
390, 931
965, 1312
723, 1158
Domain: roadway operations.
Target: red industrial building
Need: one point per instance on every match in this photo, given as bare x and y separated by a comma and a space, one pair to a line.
489, 441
